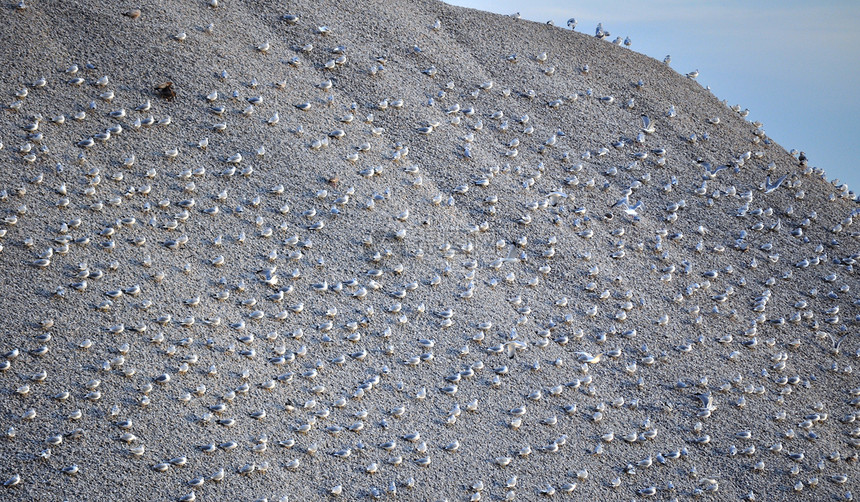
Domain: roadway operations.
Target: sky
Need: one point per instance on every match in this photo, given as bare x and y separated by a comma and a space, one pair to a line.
794, 64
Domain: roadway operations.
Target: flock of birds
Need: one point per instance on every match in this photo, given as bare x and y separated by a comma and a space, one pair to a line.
368, 276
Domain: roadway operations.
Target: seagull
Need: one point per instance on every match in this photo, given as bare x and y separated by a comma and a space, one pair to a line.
667, 59
599, 33
512, 256
511, 347
624, 200
706, 400
770, 187
693, 74
632, 210
571, 23
647, 125
587, 358
711, 170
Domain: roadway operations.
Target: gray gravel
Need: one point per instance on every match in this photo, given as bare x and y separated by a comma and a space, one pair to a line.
458, 262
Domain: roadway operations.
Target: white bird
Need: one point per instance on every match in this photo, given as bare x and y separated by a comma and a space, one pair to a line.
647, 125
587, 358
693, 74
770, 187
632, 210
511, 347
571, 23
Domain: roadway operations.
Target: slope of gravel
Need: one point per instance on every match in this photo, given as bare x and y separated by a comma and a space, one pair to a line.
490, 259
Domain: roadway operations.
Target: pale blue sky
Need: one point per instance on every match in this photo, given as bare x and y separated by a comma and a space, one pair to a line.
795, 64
